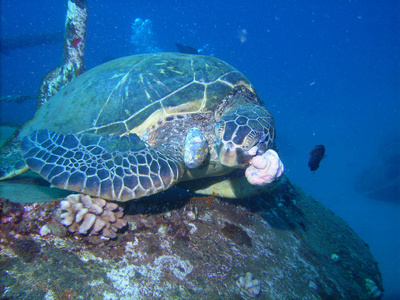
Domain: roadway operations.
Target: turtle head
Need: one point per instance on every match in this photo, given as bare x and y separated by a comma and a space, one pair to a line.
242, 133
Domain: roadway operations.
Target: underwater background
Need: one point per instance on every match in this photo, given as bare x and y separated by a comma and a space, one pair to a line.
327, 70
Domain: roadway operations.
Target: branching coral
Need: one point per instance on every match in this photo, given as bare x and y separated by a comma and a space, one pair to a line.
86, 214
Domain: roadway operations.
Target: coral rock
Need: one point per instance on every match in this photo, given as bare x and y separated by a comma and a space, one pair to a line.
249, 285
44, 230
85, 214
87, 223
27, 249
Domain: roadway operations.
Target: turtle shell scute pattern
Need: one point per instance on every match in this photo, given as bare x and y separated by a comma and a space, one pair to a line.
121, 95
110, 167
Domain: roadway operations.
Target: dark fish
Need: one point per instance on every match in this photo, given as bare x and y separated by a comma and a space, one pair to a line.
316, 155
186, 49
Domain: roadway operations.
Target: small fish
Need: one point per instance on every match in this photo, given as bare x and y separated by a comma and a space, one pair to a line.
316, 155
186, 49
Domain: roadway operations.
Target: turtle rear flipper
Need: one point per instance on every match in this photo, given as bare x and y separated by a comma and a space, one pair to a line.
110, 167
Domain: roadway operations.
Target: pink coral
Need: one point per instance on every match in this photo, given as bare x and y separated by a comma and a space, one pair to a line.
264, 168
94, 215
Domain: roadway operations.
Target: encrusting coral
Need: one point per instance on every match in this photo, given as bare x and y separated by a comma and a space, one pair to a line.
249, 285
86, 214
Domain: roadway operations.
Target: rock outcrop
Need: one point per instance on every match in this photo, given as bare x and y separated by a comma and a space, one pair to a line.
281, 245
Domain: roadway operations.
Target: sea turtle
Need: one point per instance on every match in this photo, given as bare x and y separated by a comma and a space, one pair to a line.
137, 125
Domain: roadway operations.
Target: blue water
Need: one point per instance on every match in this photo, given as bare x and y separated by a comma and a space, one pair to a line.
329, 71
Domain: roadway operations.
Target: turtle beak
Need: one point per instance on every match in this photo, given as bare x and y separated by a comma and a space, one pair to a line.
230, 155
226, 154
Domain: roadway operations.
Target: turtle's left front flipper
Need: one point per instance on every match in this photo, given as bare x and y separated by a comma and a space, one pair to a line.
111, 167
11, 161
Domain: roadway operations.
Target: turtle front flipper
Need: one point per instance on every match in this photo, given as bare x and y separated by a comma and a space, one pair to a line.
11, 161
196, 148
110, 167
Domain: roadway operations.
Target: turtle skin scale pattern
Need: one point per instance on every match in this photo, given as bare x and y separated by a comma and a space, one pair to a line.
245, 124
113, 167
242, 128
